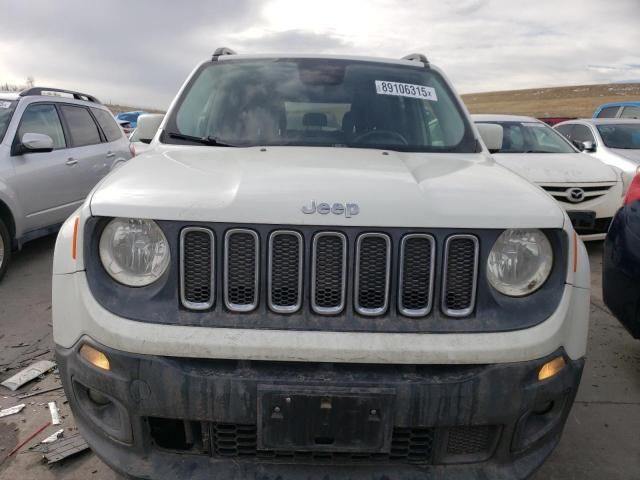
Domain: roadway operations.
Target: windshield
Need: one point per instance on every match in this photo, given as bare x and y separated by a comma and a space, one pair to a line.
6, 112
626, 136
531, 137
320, 102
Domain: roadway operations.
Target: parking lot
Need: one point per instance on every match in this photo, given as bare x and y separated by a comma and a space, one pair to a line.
600, 440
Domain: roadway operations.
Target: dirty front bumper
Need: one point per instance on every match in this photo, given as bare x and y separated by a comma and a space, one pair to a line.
163, 417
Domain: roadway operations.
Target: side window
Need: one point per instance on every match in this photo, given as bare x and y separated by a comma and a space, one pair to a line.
42, 118
565, 130
108, 124
608, 112
630, 112
581, 134
82, 129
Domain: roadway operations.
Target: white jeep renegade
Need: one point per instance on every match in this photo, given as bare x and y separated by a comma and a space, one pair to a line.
318, 271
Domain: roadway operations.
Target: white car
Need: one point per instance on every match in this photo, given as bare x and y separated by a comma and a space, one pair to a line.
590, 191
615, 142
267, 294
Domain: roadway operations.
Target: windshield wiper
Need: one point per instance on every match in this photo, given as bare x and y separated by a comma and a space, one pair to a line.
210, 140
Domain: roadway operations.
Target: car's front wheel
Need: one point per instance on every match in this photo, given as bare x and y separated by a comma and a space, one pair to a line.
5, 248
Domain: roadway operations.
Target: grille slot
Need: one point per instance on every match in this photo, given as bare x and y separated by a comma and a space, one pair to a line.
241, 269
197, 247
372, 272
460, 275
328, 273
285, 271
469, 440
417, 269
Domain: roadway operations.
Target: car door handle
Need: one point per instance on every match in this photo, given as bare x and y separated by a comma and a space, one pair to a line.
71, 161
111, 155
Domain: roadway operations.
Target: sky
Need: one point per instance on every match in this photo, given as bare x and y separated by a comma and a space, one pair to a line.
140, 52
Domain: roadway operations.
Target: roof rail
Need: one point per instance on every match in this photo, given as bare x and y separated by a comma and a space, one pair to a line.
33, 91
417, 57
222, 51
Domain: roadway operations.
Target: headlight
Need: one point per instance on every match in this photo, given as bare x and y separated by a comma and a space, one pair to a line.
134, 251
519, 262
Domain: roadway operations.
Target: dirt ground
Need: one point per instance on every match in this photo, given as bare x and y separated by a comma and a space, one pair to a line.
578, 101
600, 441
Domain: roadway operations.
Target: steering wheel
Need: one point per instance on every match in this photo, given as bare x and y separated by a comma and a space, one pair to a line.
381, 133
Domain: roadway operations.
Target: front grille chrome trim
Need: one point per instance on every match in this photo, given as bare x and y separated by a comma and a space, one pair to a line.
314, 306
284, 308
371, 312
256, 271
464, 312
183, 298
412, 312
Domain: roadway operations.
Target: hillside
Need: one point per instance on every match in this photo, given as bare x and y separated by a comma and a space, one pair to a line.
575, 101
115, 109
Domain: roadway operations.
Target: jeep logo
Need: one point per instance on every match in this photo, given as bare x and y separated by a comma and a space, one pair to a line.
349, 210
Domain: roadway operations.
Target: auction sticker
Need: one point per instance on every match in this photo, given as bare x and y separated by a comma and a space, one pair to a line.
5, 104
406, 90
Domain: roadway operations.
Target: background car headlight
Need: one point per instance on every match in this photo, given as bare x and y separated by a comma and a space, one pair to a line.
134, 251
519, 262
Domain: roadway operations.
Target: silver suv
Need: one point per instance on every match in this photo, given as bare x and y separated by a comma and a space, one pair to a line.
55, 145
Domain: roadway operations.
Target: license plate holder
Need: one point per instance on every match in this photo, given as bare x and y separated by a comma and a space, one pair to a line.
583, 219
325, 419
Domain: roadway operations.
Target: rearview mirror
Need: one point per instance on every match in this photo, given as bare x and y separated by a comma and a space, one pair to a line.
34, 143
587, 146
148, 124
491, 135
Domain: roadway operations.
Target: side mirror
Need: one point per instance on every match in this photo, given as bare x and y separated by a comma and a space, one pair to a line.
34, 143
587, 146
148, 124
492, 135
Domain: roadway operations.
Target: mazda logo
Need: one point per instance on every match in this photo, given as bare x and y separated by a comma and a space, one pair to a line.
575, 194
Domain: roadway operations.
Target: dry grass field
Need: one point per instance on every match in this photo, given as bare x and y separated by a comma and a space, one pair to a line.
576, 101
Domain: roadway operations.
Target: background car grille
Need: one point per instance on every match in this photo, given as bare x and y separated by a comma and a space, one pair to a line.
327, 271
591, 192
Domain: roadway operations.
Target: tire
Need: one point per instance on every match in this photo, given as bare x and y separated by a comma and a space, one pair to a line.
5, 249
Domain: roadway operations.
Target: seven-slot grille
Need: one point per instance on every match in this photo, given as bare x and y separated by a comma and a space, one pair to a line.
334, 263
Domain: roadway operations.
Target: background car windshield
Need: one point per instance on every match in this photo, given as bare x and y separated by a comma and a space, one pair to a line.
321, 103
620, 136
532, 137
6, 112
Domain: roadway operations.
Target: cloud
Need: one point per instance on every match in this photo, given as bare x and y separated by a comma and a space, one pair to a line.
298, 41
139, 53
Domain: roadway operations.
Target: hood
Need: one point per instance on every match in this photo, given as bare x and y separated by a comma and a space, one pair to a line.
557, 167
629, 154
271, 186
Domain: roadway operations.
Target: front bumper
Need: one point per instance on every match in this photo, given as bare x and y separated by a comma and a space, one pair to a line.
167, 417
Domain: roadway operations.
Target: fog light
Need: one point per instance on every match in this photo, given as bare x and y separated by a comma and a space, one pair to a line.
95, 357
551, 368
